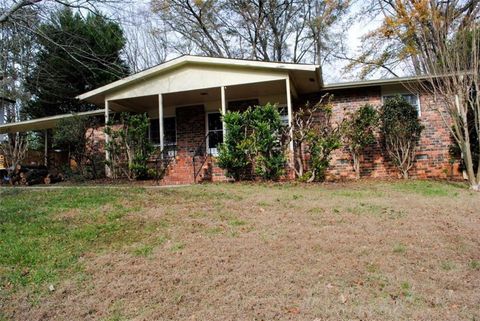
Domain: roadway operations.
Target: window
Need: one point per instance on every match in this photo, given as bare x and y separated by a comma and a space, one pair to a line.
215, 132
169, 132
411, 98
154, 131
283, 110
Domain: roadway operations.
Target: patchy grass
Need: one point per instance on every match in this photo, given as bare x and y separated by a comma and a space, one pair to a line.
363, 250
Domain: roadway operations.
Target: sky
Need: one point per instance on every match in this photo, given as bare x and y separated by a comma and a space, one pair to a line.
332, 72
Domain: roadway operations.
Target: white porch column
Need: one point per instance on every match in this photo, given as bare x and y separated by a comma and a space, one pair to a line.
108, 172
160, 120
224, 108
290, 113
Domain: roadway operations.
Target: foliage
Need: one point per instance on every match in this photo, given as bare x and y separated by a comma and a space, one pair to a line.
322, 141
401, 131
440, 39
358, 132
79, 54
253, 141
234, 153
76, 135
315, 137
410, 31
266, 141
129, 146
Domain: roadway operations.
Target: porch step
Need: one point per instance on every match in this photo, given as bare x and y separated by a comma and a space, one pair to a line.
180, 171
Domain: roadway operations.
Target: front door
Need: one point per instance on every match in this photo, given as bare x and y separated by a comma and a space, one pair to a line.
215, 133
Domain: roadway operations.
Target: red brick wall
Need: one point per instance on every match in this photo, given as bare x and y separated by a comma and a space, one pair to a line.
190, 129
432, 160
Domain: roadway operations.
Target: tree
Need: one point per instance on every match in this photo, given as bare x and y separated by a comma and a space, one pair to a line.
401, 131
396, 46
358, 132
14, 10
267, 30
129, 146
76, 135
76, 55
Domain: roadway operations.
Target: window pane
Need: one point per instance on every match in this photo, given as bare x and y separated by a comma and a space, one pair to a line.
169, 131
154, 131
215, 138
215, 122
283, 114
411, 98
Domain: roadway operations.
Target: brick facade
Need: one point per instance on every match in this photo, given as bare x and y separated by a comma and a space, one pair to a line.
432, 160
432, 157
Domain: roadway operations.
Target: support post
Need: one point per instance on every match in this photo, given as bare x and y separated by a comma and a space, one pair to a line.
290, 112
160, 120
108, 171
224, 108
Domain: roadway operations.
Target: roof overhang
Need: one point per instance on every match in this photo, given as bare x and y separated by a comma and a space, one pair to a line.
373, 83
43, 123
307, 71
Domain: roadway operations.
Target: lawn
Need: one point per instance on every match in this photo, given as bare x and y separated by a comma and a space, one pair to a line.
353, 251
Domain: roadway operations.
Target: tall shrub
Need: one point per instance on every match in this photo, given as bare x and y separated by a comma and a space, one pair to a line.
253, 143
129, 146
266, 141
234, 154
401, 131
75, 135
315, 137
358, 132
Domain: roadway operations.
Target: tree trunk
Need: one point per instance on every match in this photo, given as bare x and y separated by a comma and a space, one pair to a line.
356, 165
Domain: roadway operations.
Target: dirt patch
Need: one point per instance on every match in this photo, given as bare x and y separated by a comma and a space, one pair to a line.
368, 251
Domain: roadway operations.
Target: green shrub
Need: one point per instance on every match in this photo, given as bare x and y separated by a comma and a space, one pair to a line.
253, 142
358, 132
401, 131
129, 146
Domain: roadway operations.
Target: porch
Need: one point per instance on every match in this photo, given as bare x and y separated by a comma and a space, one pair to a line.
187, 126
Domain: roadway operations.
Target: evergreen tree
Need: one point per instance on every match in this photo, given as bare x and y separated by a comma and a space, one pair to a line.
77, 54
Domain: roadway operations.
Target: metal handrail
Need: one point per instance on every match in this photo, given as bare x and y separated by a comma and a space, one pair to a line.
165, 159
200, 151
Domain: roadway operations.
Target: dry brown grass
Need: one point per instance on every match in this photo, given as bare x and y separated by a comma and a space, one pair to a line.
357, 251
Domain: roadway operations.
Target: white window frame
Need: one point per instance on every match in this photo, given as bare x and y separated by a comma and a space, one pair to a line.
405, 93
211, 151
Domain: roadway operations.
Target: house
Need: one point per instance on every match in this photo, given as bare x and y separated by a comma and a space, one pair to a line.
186, 96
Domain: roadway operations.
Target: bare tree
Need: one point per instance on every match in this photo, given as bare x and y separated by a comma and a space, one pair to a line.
440, 40
268, 30
394, 50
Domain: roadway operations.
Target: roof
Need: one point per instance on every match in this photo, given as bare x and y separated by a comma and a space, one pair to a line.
43, 123
199, 60
374, 82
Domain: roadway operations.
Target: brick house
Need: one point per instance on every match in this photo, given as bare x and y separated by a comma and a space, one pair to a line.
185, 98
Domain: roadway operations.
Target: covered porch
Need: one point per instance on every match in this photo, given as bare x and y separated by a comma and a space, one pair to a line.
186, 97
183, 122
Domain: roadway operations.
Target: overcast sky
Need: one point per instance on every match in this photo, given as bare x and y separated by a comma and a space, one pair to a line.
332, 72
